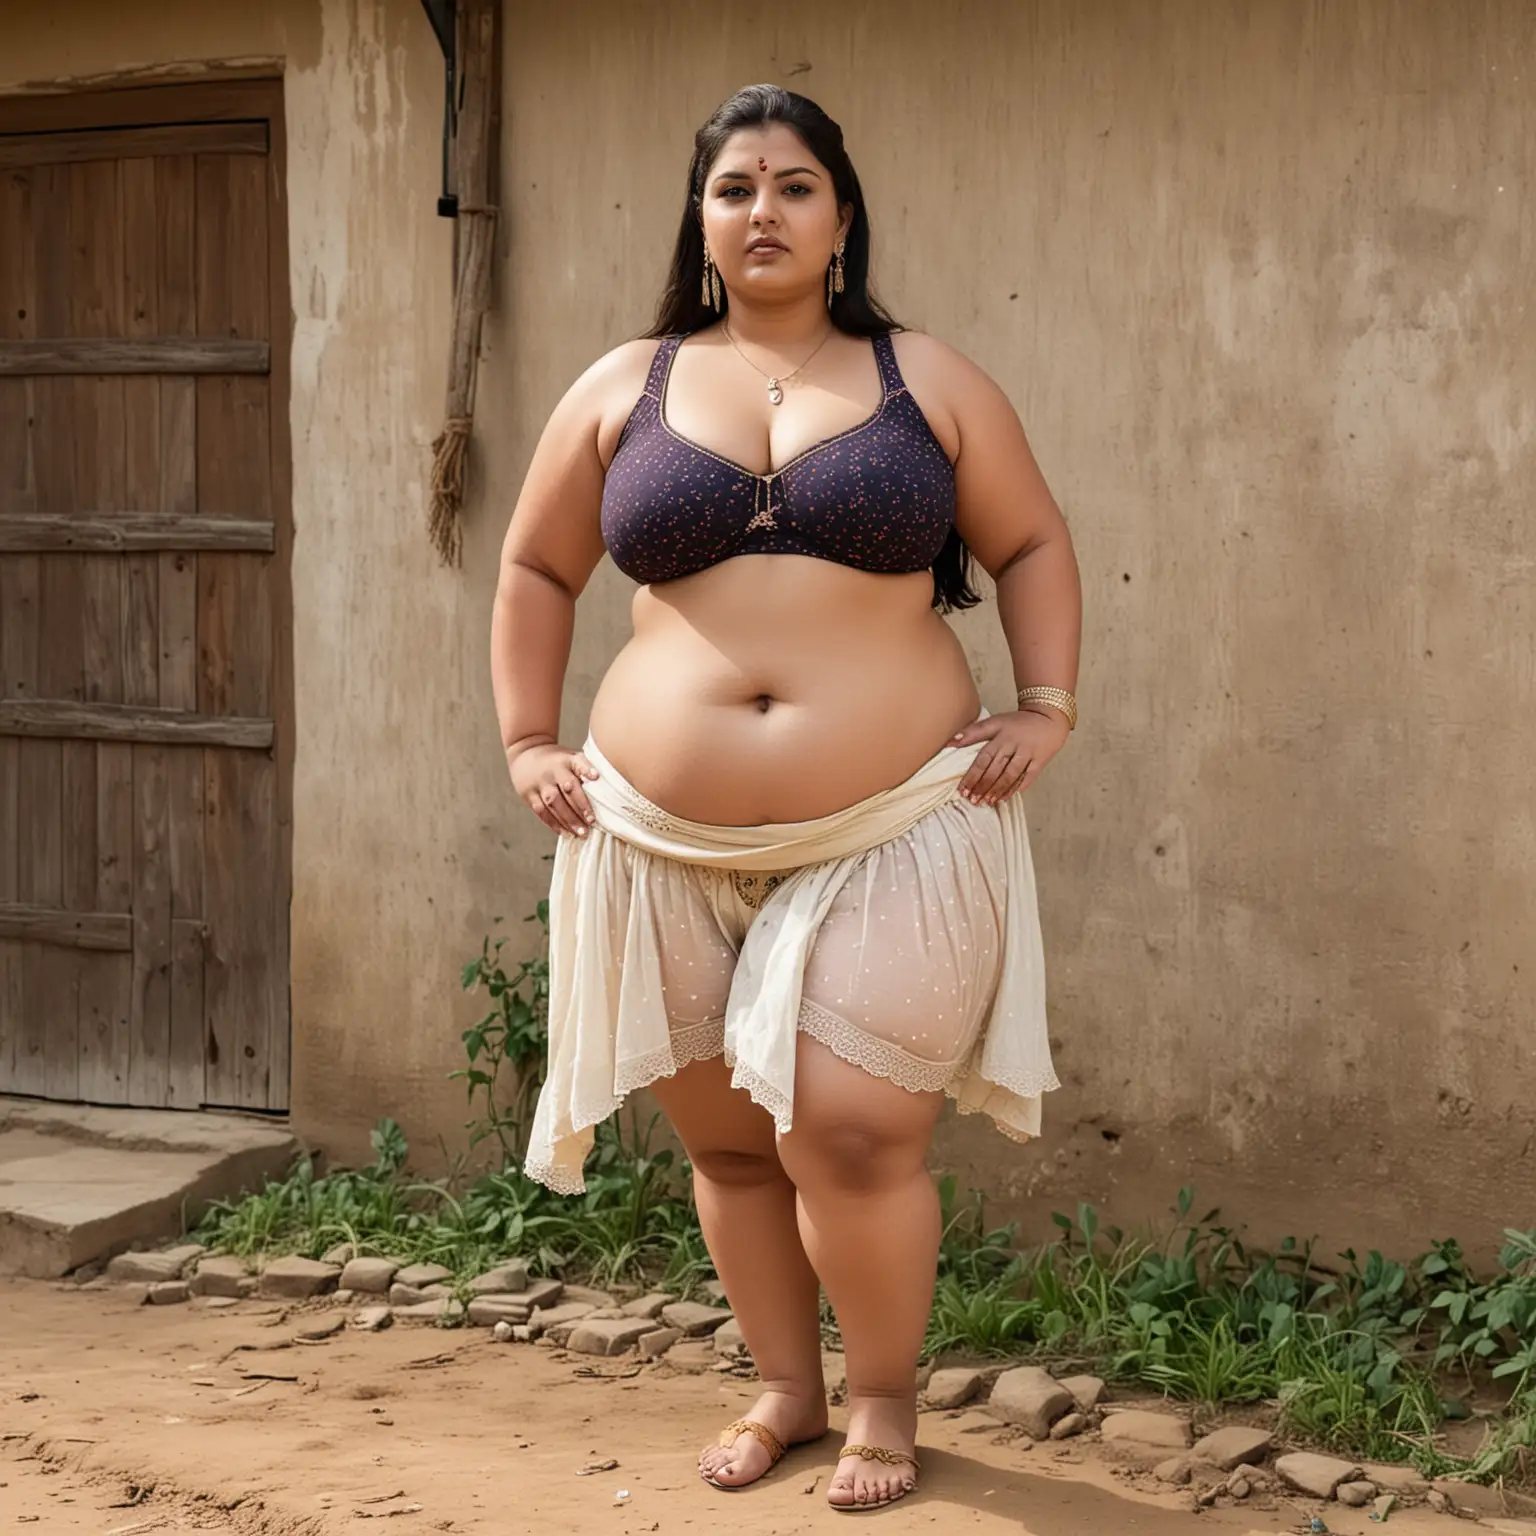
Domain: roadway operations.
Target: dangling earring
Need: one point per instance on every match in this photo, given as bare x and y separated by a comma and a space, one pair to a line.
835, 274
704, 292
711, 289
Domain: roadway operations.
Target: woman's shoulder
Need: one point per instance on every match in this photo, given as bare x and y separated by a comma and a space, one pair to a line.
932, 356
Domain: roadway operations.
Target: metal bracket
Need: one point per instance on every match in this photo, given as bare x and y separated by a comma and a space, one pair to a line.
443, 15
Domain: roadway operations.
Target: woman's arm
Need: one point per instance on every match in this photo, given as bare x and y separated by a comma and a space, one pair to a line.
1006, 514
553, 544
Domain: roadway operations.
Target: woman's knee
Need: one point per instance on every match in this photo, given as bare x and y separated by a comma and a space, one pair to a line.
737, 1167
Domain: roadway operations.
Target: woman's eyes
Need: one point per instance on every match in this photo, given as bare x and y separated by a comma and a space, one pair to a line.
794, 186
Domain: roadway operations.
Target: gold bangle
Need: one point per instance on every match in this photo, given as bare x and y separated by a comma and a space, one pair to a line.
1057, 697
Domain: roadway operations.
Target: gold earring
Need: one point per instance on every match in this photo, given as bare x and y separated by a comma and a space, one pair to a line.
714, 287
704, 291
835, 274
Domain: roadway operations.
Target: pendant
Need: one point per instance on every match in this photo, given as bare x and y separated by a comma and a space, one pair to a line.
775, 393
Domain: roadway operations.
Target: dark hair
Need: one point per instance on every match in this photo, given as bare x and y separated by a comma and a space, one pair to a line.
855, 311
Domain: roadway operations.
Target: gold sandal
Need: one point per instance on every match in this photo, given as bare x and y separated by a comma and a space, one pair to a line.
875, 1453
759, 1432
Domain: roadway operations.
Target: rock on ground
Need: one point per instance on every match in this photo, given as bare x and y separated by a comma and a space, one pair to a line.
1135, 1427
591, 1297
1314, 1474
1234, 1446
1072, 1424
952, 1388
371, 1319
1396, 1479
692, 1355
1176, 1470
1087, 1391
658, 1341
421, 1275
163, 1264
729, 1339
167, 1292
488, 1311
340, 1253
511, 1276
1356, 1494
715, 1290
502, 1332
222, 1274
649, 1306
608, 1336
295, 1277
372, 1275
566, 1315
693, 1318
429, 1311
403, 1295
1031, 1398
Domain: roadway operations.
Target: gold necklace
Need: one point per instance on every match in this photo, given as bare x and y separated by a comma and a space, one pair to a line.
776, 381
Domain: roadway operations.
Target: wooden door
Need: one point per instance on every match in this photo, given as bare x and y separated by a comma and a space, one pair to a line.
145, 723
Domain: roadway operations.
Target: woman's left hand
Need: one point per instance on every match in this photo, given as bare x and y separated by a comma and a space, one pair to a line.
1018, 746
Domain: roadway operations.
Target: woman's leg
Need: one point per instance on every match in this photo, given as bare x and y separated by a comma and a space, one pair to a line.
869, 1219
747, 1209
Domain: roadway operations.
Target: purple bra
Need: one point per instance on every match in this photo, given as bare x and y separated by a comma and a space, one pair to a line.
878, 497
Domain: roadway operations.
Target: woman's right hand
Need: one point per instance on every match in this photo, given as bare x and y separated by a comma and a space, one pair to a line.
549, 779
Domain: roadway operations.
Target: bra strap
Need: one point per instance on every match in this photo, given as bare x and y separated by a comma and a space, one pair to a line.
656, 379
885, 361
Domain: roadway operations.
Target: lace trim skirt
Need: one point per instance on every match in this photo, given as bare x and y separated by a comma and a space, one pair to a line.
903, 934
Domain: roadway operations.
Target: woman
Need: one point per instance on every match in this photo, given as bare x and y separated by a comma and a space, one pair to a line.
792, 892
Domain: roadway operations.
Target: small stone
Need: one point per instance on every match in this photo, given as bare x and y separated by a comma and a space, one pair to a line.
692, 1355
1315, 1474
342, 1296
341, 1254
1030, 1397
1396, 1479
1138, 1427
729, 1339
489, 1311
162, 1264
168, 1292
1239, 1487
429, 1311
591, 1297
1438, 1501
297, 1277
1175, 1470
1357, 1494
543, 1293
1072, 1424
403, 1295
1087, 1391
422, 1275
649, 1305
502, 1332
221, 1274
217, 1303
375, 1276
653, 1345
511, 1276
371, 1319
521, 1333
608, 1336
694, 1319
952, 1388
1234, 1446
715, 1290
566, 1315
328, 1329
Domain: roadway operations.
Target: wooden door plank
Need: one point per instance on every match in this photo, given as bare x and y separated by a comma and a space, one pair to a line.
150, 1013
129, 144
187, 1089
131, 531
51, 354
256, 94
56, 720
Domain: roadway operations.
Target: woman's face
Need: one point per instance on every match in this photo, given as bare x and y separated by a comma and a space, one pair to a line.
770, 214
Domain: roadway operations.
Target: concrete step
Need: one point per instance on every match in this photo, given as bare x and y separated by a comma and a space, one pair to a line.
79, 1182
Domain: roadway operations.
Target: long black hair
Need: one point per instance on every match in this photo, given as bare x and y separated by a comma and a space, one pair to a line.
855, 311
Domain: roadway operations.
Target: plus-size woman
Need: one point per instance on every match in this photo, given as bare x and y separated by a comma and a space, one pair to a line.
793, 891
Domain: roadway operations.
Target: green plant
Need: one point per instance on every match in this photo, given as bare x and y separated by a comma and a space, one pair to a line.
513, 1034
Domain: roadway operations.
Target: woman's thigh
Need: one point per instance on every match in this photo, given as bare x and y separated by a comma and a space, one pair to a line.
727, 1137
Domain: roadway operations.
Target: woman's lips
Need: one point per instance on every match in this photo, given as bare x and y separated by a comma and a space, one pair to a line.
766, 248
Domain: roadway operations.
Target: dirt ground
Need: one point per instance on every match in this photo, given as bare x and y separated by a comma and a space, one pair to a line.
126, 1420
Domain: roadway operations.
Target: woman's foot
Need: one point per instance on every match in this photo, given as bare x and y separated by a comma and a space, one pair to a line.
891, 1425
791, 1417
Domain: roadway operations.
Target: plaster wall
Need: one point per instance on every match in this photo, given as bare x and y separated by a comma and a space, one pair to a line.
1255, 276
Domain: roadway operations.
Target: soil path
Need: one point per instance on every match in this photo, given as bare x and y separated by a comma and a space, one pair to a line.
121, 1420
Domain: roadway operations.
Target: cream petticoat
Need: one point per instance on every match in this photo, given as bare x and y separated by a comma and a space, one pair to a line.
902, 932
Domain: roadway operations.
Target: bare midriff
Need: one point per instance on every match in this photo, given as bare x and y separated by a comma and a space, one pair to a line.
776, 688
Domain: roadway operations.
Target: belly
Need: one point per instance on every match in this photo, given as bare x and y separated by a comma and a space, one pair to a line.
780, 688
